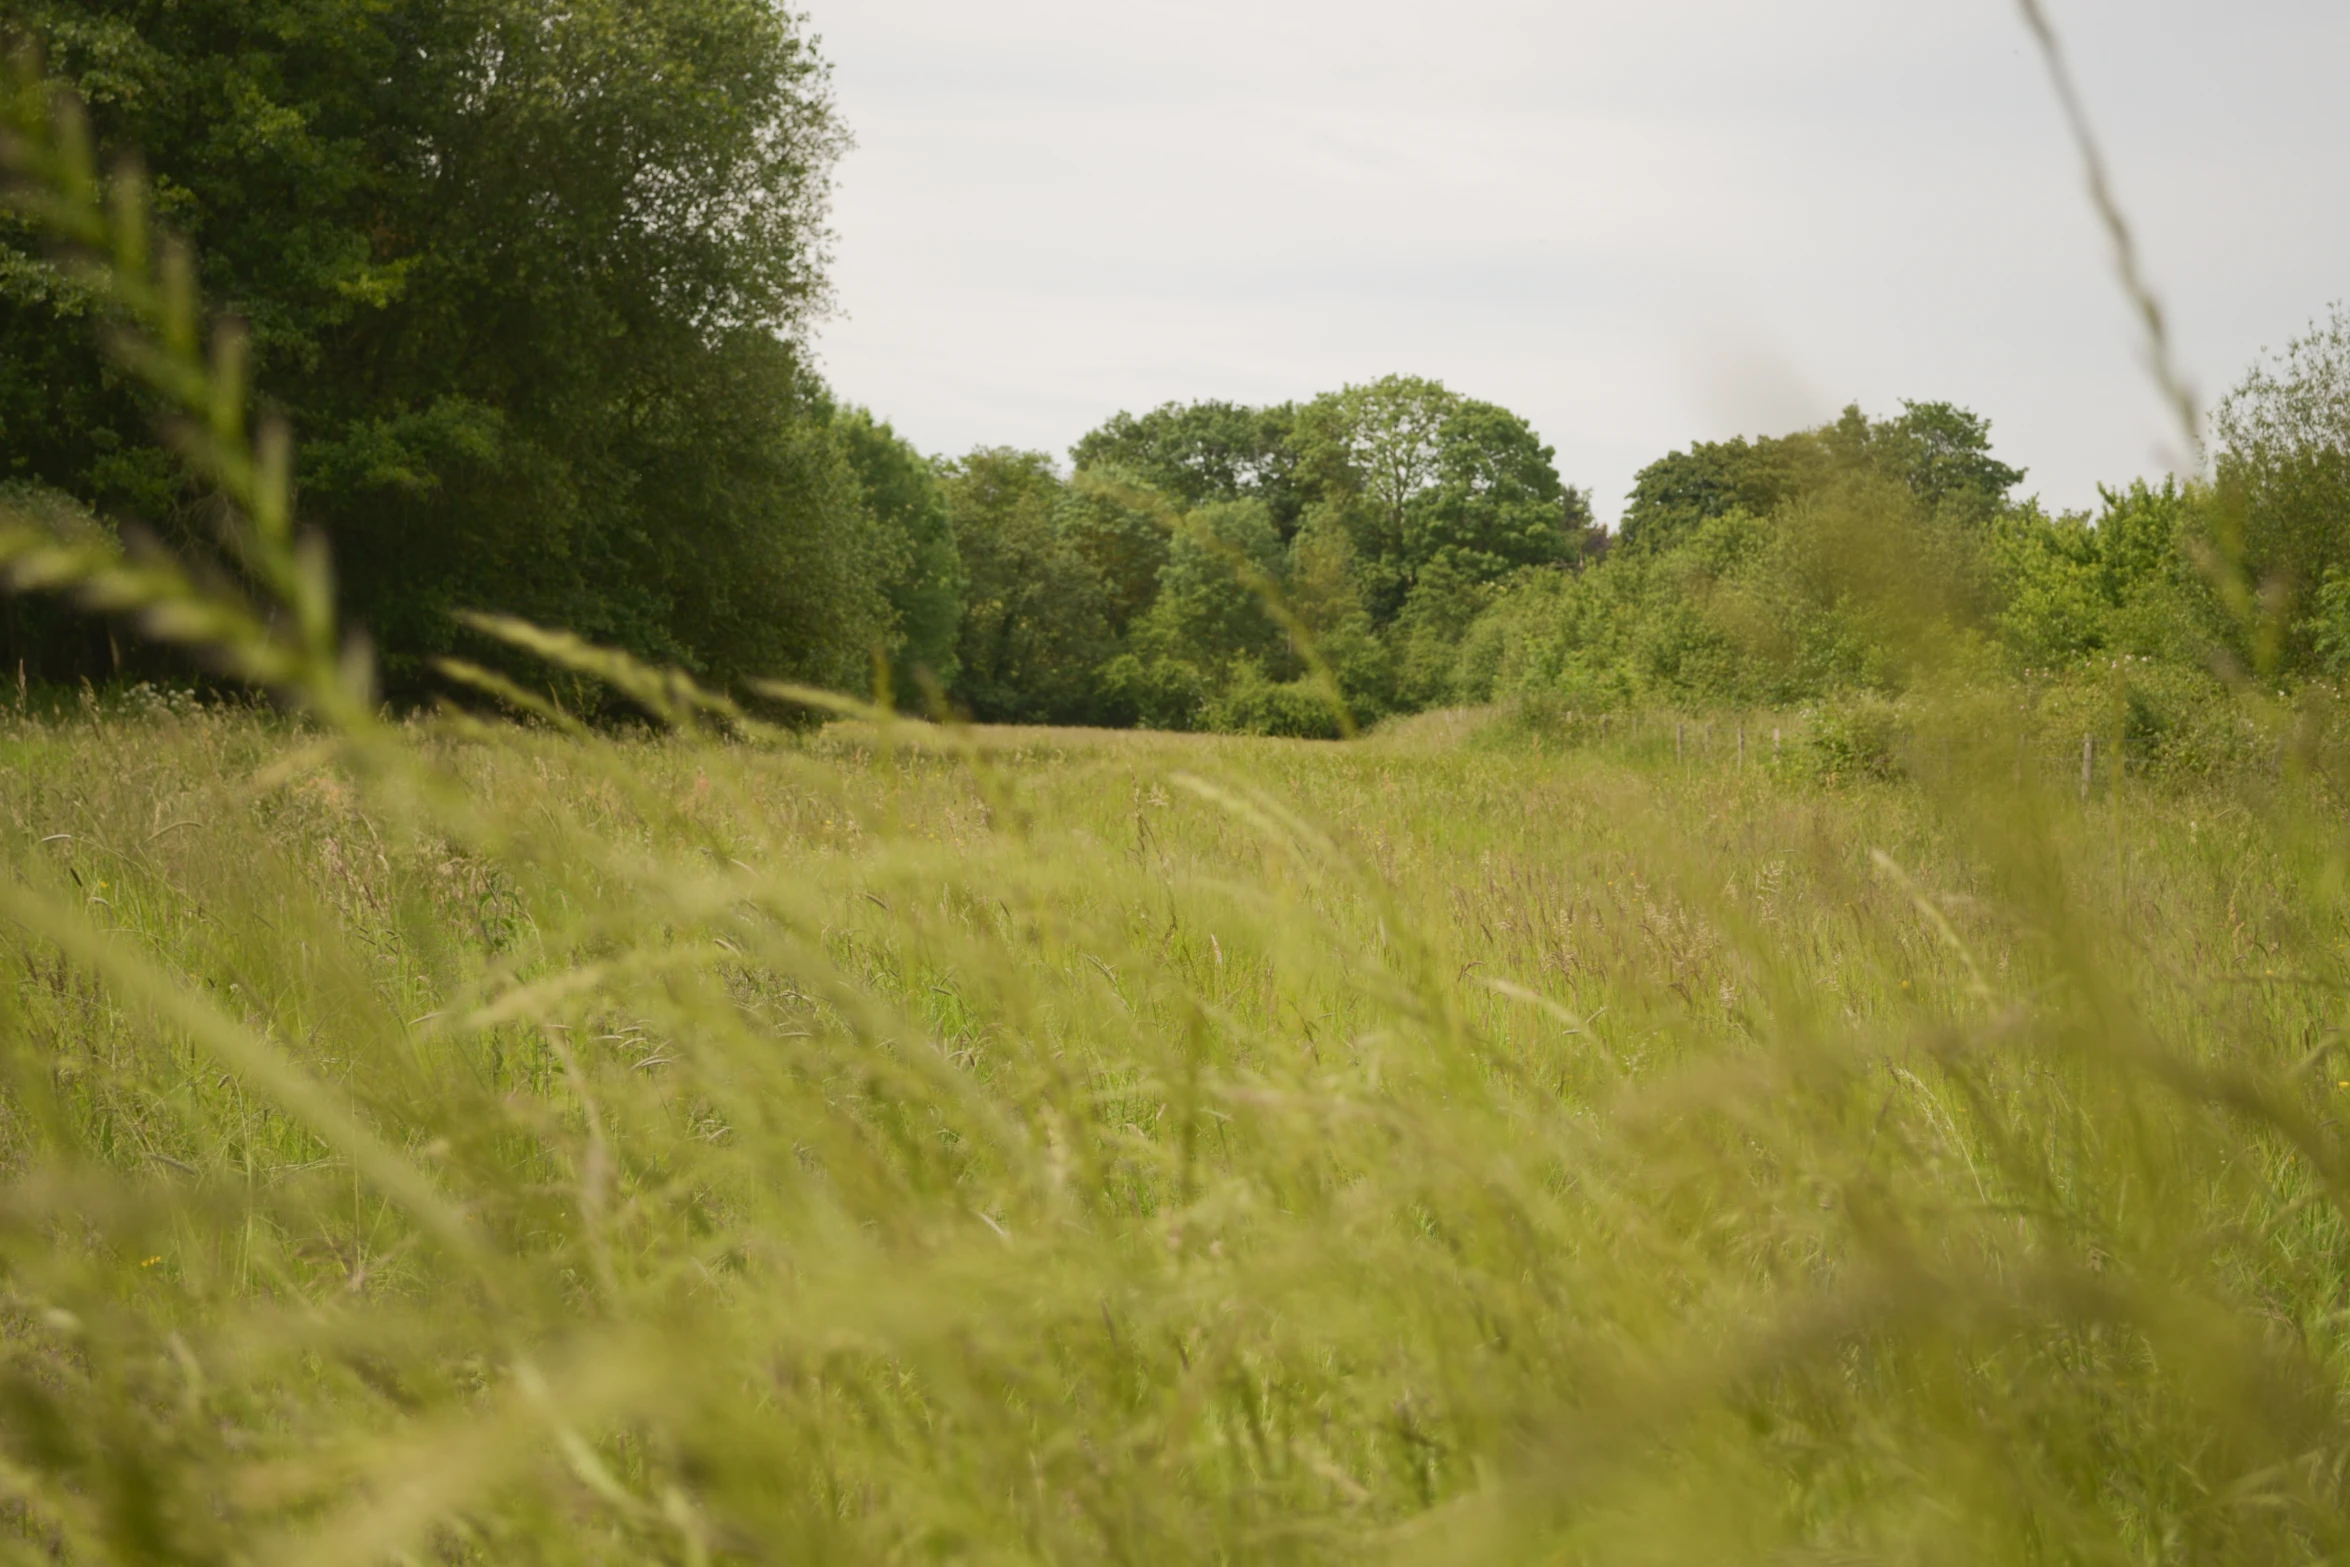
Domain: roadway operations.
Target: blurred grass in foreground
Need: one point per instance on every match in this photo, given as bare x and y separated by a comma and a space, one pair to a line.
1044, 1146
475, 1143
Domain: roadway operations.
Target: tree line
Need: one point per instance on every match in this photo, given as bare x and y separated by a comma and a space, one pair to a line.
1396, 546
1209, 565
531, 287
1865, 556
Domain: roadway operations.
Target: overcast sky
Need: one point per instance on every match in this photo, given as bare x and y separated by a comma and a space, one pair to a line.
1636, 223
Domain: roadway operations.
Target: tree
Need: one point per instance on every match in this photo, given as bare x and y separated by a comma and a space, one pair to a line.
1324, 591
924, 584
2283, 448
1417, 474
1211, 605
1673, 495
1943, 453
2065, 588
1207, 653
1940, 452
1370, 450
1495, 502
1382, 514
1123, 530
524, 280
1203, 452
1035, 625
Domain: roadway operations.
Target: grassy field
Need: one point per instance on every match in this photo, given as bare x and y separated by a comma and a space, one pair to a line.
1473, 1143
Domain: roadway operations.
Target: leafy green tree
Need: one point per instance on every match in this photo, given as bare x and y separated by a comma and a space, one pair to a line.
1368, 452
1035, 611
2283, 461
1211, 600
1424, 643
1495, 503
1370, 492
1209, 654
1780, 570
524, 279
2053, 605
1123, 529
1683, 489
2070, 587
1940, 451
1204, 452
925, 581
1673, 495
1417, 474
1323, 590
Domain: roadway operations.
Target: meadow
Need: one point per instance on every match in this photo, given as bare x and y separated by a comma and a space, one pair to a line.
1523, 1134
1486, 1141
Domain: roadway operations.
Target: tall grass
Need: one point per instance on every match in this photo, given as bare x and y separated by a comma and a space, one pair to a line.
477, 1142
1107, 1147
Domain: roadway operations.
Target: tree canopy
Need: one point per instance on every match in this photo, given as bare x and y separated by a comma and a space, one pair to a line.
530, 285
1940, 452
1195, 453
525, 279
2283, 458
924, 569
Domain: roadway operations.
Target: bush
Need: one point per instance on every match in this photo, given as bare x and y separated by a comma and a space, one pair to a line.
1250, 704
1855, 739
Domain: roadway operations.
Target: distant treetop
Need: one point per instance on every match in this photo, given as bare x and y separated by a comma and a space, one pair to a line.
1940, 451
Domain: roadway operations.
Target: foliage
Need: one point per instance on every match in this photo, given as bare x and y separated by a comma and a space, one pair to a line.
529, 284
1324, 592
1683, 490
1941, 453
518, 275
1204, 452
1249, 702
1855, 740
1209, 654
1125, 532
1209, 604
2283, 459
2069, 588
1222, 542
924, 583
49, 639
1419, 476
1848, 587
1035, 612
1861, 557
